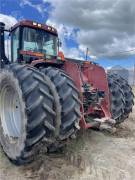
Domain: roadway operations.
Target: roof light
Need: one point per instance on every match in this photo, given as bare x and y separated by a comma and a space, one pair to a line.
34, 23
53, 29
39, 25
49, 28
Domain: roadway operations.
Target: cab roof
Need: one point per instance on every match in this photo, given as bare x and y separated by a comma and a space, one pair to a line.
35, 25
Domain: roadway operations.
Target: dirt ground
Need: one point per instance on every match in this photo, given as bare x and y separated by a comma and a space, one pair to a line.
92, 156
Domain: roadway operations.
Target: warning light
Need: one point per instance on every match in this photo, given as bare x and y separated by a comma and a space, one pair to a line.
34, 23
49, 28
39, 25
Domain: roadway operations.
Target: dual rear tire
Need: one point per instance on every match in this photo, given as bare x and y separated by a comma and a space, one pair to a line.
32, 116
69, 101
121, 97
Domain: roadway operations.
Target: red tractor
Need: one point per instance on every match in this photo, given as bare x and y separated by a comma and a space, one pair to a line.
46, 98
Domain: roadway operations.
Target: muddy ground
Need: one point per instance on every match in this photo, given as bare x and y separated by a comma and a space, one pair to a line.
93, 156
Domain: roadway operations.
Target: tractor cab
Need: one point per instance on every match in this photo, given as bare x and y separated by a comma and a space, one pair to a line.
32, 41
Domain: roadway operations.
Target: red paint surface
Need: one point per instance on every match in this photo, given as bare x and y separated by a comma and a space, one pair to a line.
96, 77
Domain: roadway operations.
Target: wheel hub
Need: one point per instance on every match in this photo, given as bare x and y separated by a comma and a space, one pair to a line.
10, 112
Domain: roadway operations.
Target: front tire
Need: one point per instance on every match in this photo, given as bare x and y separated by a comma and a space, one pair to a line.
27, 114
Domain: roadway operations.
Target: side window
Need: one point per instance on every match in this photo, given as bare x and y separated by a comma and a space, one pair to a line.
15, 44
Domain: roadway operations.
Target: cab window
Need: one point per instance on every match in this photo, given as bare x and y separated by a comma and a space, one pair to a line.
15, 44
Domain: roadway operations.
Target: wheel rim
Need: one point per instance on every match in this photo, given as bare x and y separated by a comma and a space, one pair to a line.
10, 111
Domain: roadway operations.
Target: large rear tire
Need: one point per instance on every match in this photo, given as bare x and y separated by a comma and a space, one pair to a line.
69, 100
117, 99
27, 113
128, 95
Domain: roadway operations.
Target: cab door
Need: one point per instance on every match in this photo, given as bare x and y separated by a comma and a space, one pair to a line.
15, 44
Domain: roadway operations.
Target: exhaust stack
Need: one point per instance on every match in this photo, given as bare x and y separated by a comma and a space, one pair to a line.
3, 58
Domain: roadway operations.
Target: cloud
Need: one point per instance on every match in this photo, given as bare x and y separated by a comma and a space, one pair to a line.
108, 68
66, 32
38, 7
105, 27
72, 53
8, 20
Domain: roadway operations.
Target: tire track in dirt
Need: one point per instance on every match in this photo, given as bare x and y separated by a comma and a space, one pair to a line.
92, 156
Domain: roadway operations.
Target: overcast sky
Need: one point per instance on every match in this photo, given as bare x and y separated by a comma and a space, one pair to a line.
106, 27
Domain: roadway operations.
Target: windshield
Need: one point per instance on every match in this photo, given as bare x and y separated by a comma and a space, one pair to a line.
37, 40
